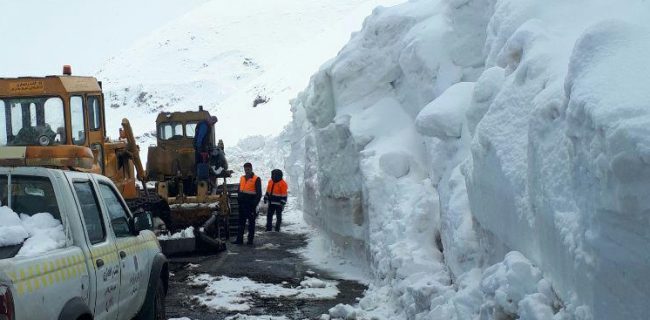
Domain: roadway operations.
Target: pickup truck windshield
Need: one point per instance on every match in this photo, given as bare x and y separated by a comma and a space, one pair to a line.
33, 210
32, 121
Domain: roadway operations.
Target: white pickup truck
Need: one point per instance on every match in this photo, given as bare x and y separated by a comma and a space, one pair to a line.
105, 265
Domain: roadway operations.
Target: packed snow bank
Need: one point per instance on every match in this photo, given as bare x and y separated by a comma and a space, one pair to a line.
549, 183
361, 160
38, 233
488, 158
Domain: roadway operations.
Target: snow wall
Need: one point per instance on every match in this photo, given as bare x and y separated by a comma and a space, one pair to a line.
489, 158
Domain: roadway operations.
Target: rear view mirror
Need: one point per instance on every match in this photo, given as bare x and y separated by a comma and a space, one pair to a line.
142, 221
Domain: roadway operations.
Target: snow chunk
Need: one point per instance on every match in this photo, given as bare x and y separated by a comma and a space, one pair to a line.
535, 307
45, 234
183, 234
12, 232
396, 164
193, 205
512, 287
343, 311
486, 88
39, 233
444, 117
191, 266
39, 222
312, 283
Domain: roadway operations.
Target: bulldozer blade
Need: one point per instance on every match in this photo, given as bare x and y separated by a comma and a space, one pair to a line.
178, 246
184, 216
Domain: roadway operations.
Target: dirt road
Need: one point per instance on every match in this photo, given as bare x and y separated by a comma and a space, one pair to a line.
270, 266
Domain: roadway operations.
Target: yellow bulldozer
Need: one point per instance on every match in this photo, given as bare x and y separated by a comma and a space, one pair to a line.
59, 121
190, 185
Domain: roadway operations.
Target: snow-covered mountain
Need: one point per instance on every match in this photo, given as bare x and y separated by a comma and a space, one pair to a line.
489, 158
226, 54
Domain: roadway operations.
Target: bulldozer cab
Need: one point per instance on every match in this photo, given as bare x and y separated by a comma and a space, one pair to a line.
174, 155
58, 121
175, 130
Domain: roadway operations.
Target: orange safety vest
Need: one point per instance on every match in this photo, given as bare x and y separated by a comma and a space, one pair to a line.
247, 186
278, 189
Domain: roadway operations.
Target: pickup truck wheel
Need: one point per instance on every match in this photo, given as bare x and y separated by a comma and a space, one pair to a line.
154, 309
159, 303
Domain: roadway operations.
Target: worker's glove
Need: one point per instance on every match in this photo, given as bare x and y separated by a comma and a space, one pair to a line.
283, 203
266, 199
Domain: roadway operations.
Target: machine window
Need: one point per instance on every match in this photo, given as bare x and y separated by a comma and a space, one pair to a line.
77, 120
190, 129
94, 113
37, 121
90, 209
170, 131
116, 211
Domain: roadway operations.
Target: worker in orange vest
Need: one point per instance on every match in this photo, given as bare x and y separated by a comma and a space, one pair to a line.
276, 196
249, 195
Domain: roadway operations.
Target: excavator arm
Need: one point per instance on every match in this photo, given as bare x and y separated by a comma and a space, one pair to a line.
134, 151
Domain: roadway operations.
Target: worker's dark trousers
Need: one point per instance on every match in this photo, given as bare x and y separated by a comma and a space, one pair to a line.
246, 214
274, 209
198, 158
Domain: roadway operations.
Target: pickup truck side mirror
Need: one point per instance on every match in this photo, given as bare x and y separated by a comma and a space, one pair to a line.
142, 221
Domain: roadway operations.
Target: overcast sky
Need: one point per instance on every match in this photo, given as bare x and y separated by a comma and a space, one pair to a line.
40, 36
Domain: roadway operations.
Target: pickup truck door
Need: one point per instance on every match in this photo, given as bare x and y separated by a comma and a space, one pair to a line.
103, 252
134, 262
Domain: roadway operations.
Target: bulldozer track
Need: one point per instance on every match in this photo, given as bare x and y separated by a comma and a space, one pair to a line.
152, 202
233, 218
